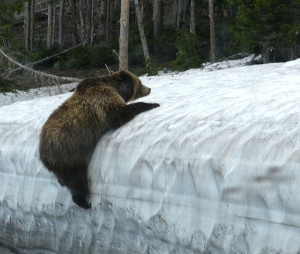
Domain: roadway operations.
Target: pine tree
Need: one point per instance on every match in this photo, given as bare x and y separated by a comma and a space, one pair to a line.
7, 19
269, 27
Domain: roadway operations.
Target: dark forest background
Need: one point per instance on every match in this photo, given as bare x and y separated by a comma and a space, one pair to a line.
178, 32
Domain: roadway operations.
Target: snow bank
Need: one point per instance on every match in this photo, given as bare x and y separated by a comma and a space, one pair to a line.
9, 98
215, 169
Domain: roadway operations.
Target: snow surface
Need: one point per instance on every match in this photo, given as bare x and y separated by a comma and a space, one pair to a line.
214, 169
9, 98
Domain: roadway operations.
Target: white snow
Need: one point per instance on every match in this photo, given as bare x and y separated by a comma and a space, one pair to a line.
214, 169
9, 98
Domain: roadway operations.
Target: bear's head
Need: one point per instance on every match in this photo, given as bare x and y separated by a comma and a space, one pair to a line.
129, 86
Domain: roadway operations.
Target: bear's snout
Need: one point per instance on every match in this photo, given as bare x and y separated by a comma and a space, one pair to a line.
145, 90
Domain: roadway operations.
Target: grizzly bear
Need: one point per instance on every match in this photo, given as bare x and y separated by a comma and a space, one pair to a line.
72, 131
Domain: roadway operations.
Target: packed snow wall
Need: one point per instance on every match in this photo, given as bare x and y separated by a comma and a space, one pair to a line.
214, 169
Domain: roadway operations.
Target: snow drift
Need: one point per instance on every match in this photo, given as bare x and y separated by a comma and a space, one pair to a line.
214, 169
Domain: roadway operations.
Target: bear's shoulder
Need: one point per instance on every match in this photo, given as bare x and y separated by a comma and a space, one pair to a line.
94, 83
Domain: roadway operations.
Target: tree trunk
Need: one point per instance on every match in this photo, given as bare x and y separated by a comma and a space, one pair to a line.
61, 23
49, 23
109, 19
112, 17
142, 7
124, 33
142, 33
102, 22
179, 14
266, 57
82, 27
107, 22
193, 17
88, 21
225, 10
157, 24
292, 53
92, 21
146, 10
212, 32
116, 16
31, 44
27, 24
185, 9
175, 13
53, 23
74, 26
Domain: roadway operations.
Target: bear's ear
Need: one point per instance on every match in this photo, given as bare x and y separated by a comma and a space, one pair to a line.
126, 85
124, 73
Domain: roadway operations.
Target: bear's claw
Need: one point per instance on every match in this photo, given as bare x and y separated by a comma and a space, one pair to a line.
81, 201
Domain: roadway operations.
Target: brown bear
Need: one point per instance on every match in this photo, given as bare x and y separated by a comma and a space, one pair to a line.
74, 128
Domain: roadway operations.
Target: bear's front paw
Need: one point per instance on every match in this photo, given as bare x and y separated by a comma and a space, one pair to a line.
153, 105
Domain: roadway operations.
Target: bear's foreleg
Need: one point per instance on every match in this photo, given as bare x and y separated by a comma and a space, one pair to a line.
79, 188
75, 179
129, 111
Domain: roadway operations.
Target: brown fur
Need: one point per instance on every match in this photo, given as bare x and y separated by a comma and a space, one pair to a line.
73, 129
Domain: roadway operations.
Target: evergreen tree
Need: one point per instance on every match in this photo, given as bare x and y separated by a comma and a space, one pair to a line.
8, 9
270, 27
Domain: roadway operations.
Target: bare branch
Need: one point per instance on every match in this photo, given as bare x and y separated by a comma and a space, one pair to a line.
115, 53
42, 60
38, 73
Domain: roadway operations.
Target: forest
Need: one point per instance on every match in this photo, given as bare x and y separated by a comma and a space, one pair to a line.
174, 34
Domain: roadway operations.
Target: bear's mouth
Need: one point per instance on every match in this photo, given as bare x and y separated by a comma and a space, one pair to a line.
145, 90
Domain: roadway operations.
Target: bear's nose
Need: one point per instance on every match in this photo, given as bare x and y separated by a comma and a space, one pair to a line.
145, 90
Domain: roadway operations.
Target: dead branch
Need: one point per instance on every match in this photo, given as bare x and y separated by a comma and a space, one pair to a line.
115, 53
40, 61
38, 73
